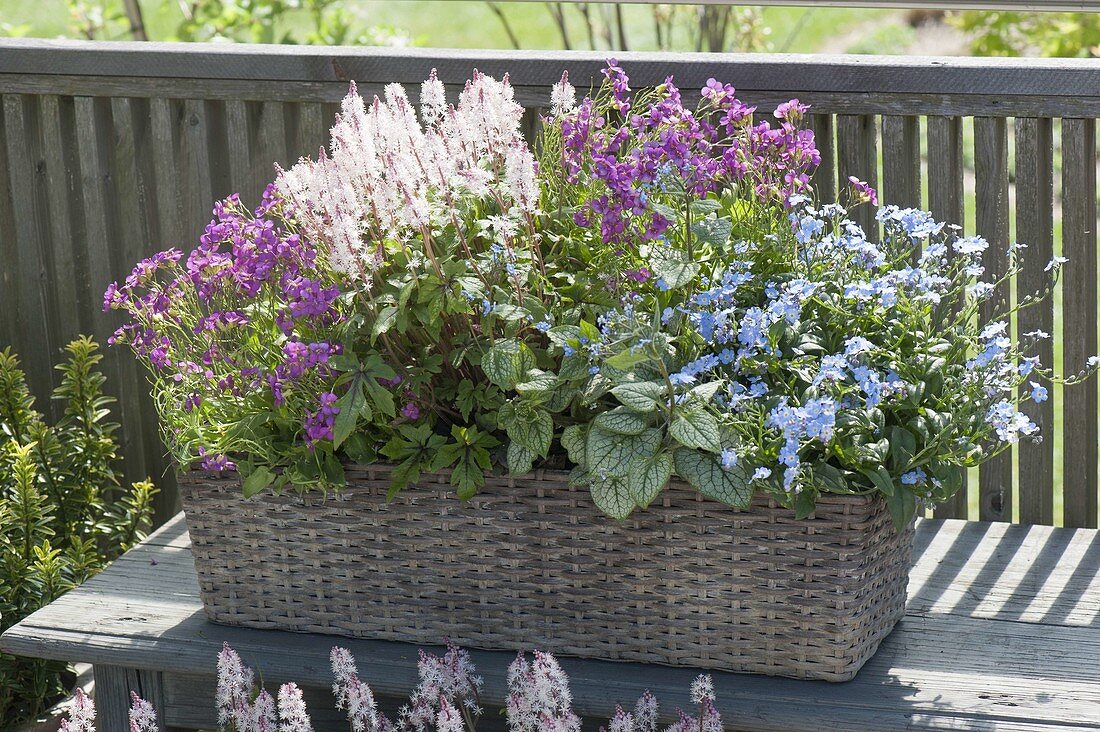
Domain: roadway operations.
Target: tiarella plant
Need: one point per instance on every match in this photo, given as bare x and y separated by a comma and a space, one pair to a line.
656, 294
446, 699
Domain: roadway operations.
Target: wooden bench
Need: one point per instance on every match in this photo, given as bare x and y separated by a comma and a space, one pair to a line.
1002, 632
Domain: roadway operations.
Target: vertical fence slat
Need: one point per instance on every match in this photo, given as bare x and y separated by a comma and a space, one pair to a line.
197, 189
162, 120
824, 179
92, 124
72, 315
857, 154
272, 146
901, 178
1079, 342
945, 201
992, 222
34, 312
311, 130
1035, 229
9, 249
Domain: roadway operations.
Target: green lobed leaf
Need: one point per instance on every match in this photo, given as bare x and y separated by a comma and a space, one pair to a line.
705, 473
696, 428
641, 396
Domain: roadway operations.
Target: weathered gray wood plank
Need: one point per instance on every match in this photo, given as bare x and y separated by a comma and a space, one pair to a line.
901, 161
857, 155
35, 313
992, 222
945, 201
1079, 402
1035, 229
824, 179
113, 686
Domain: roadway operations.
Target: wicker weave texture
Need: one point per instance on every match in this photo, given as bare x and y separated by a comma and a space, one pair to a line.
531, 563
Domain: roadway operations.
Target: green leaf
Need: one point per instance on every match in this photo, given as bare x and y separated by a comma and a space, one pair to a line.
256, 481
880, 478
706, 391
385, 320
564, 335
648, 477
574, 439
507, 362
829, 479
673, 266
609, 453
573, 367
532, 428
705, 473
351, 405
613, 497
537, 382
641, 396
621, 421
467, 476
520, 459
903, 505
714, 232
627, 358
696, 428
903, 444
804, 503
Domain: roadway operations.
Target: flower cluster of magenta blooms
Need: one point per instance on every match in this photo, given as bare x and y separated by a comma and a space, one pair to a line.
651, 291
447, 699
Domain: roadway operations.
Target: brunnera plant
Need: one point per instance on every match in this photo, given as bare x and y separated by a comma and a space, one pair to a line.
655, 295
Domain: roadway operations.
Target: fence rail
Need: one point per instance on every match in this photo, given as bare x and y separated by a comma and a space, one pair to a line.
111, 150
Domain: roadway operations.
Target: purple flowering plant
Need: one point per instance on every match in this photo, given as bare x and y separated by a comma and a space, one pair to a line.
242, 338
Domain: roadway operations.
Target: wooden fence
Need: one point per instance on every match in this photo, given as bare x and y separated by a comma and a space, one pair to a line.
109, 151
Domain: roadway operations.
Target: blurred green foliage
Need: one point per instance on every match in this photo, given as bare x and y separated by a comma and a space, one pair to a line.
1001, 33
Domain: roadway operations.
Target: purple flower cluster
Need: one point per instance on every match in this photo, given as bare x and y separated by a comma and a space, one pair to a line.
319, 424
634, 153
245, 323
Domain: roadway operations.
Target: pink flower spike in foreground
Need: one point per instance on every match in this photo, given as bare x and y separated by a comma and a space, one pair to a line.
143, 718
81, 714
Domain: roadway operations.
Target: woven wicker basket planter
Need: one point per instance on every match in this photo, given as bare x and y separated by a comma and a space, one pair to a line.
531, 563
